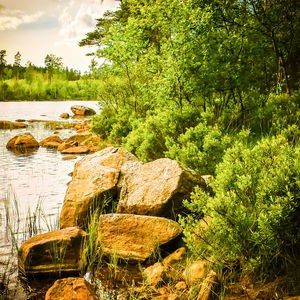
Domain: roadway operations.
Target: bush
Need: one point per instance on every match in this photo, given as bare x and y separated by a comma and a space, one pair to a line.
253, 211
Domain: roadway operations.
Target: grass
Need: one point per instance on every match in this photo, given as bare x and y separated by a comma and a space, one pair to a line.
17, 230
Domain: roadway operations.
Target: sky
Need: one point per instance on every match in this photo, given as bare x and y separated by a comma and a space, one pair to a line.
36, 28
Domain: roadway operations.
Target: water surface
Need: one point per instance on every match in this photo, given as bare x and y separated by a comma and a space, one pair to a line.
39, 178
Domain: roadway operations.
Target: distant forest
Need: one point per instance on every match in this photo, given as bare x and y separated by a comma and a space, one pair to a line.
54, 81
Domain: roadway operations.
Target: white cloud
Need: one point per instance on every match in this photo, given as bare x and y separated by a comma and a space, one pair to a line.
13, 18
79, 17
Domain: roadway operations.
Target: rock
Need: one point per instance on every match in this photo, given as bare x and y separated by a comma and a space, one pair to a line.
175, 256
83, 139
76, 150
94, 148
159, 271
134, 237
155, 274
52, 141
71, 288
207, 284
195, 272
11, 125
39, 121
181, 285
158, 188
94, 175
69, 157
167, 297
65, 116
52, 252
22, 141
82, 110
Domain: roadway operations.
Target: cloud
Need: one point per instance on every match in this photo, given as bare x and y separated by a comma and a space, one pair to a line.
79, 17
13, 18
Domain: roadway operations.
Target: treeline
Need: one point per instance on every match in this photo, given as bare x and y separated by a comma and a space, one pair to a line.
213, 84
53, 81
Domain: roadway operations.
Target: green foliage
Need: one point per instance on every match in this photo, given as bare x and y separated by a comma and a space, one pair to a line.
200, 148
254, 210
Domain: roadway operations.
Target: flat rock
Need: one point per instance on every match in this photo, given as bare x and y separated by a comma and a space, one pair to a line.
69, 157
52, 252
11, 125
76, 150
22, 141
82, 110
157, 188
93, 176
72, 288
134, 237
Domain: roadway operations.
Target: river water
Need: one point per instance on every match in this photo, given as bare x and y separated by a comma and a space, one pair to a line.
28, 181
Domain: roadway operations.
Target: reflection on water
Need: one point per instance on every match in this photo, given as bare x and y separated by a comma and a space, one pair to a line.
32, 178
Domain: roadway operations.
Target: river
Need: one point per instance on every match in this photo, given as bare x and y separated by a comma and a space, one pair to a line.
36, 179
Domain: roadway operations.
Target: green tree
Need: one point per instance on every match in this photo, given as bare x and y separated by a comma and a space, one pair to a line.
17, 65
53, 65
2, 62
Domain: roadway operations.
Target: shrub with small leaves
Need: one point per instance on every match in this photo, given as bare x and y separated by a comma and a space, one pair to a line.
254, 211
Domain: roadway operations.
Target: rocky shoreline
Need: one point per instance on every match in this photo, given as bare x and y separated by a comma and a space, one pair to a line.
119, 235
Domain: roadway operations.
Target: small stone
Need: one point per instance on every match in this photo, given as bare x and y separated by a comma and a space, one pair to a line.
195, 272
71, 288
65, 116
181, 285
175, 256
69, 157
76, 150
155, 273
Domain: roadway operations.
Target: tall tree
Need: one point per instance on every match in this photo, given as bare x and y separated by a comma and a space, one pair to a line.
2, 62
17, 64
53, 64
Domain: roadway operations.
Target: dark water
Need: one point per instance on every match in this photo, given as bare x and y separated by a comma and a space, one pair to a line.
34, 180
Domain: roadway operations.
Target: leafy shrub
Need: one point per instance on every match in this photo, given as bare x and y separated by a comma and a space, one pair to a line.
254, 211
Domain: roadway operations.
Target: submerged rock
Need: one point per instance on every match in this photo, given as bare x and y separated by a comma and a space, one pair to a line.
71, 288
69, 157
157, 188
22, 142
133, 237
11, 125
82, 110
52, 252
94, 175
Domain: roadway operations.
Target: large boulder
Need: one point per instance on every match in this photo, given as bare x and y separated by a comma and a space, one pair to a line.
157, 188
11, 125
82, 110
71, 288
52, 252
133, 237
22, 142
52, 141
94, 176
